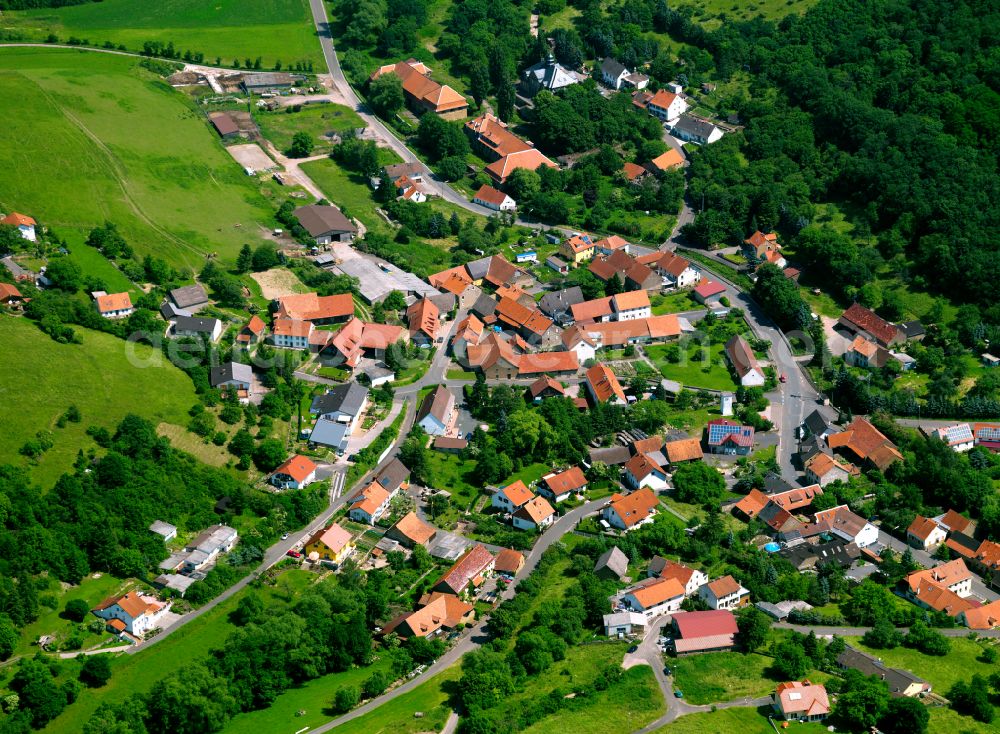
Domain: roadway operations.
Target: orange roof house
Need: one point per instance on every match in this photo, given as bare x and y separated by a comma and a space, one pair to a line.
252, 331
509, 562
751, 504
17, 219
685, 449
298, 467
603, 386
864, 441
316, 308
422, 92
531, 159
647, 595
358, 336
627, 511
424, 319
761, 243
411, 531
667, 161
113, 303
801, 701
442, 611
492, 137
633, 172
472, 567
9, 293
534, 513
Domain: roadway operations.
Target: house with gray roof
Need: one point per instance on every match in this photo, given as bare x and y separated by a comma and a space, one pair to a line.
696, 130
331, 434
193, 326
232, 375
557, 304
341, 404
326, 224
267, 81
189, 298
548, 74
164, 529
901, 683
613, 564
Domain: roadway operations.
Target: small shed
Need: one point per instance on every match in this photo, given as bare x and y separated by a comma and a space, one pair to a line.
613, 564
164, 529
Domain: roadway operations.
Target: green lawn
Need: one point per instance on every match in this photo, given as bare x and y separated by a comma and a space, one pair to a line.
459, 374
723, 676
104, 140
450, 473
318, 120
733, 721
676, 302
95, 265
93, 589
397, 716
43, 378
712, 373
945, 719
941, 672
347, 190
273, 29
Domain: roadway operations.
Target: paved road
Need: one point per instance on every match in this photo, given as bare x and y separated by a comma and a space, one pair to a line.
472, 640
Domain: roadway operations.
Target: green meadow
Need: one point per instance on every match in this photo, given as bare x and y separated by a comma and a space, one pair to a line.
96, 137
96, 376
272, 29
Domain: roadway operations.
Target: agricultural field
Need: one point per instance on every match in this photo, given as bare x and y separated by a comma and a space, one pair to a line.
96, 376
231, 29
109, 141
318, 120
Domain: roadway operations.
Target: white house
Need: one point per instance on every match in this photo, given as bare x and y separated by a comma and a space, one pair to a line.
576, 339
536, 513
696, 130
133, 612
691, 579
113, 305
296, 473
744, 363
624, 624
512, 497
560, 486
631, 305
626, 512
667, 105
25, 224
844, 523
494, 199
194, 326
342, 404
653, 597
724, 593
613, 73
959, 437
437, 412
235, 376
292, 333
370, 504
641, 471
925, 533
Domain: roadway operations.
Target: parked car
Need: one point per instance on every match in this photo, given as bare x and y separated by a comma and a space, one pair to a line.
633, 648
678, 694
284, 536
782, 377
293, 554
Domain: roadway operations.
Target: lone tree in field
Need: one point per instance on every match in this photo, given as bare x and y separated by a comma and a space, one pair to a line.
302, 145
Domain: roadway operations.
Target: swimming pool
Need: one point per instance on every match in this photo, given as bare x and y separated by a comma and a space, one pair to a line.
772, 547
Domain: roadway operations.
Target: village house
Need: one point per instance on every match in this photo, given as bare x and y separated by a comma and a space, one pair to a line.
901, 683
707, 631
683, 450
437, 412
423, 94
315, 308
233, 376
423, 318
624, 624
811, 557
759, 244
331, 544
546, 387
511, 497
824, 469
10, 295
560, 486
292, 334
410, 531
369, 504
25, 225
492, 139
579, 248
500, 170
326, 224
342, 404
611, 244
724, 436
494, 199
496, 359
743, 362
842, 522
691, 579
863, 442
547, 74
925, 534
195, 327
113, 305
666, 105
959, 437
943, 588
508, 563
357, 339
618, 264
674, 270
695, 130
724, 593
709, 291
801, 701
641, 471
202, 552
860, 320
666, 161
625, 512
133, 613
653, 597
611, 565
616, 75
297, 472
985, 617
603, 386
471, 569
439, 613
189, 298
534, 514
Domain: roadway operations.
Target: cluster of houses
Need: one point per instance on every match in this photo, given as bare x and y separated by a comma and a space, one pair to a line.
190, 564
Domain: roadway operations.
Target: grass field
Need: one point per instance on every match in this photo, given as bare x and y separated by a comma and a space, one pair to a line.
95, 265
105, 139
347, 190
398, 715
711, 373
272, 29
95, 375
673, 303
724, 676
317, 120
731, 721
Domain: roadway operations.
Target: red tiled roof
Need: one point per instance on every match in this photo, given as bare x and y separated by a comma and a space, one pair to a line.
18, 220
709, 288
603, 383
633, 171
531, 159
867, 320
298, 467
545, 383
866, 442
471, 564
311, 306
666, 161
493, 134
562, 482
490, 195
705, 624
509, 561
921, 527
635, 507
423, 317
114, 302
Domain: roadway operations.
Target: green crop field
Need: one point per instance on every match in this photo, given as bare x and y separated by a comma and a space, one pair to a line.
272, 29
42, 378
104, 139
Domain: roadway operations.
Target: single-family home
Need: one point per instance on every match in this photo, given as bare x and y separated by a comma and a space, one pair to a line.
424, 319
10, 295
546, 387
233, 376
866, 354
437, 412
325, 223
547, 74
759, 244
641, 471
357, 339
666, 161
579, 247
624, 624
500, 170
729, 437
189, 298
315, 308
411, 531
292, 334
675, 271
863, 442
113, 305
683, 450
509, 563
815, 424
252, 332
959, 437
494, 199
344, 403
691, 579
196, 327
512, 497
394, 476
707, 631
423, 94
743, 362
625, 512
801, 701
369, 504
924, 533
135, 613
332, 544
297, 472
696, 130
953, 575
860, 320
25, 225
985, 617
901, 683
709, 291
823, 469
809, 557
603, 386
724, 593
471, 568
654, 597
441, 613
560, 486
667, 105
842, 522
613, 72
612, 564
534, 514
